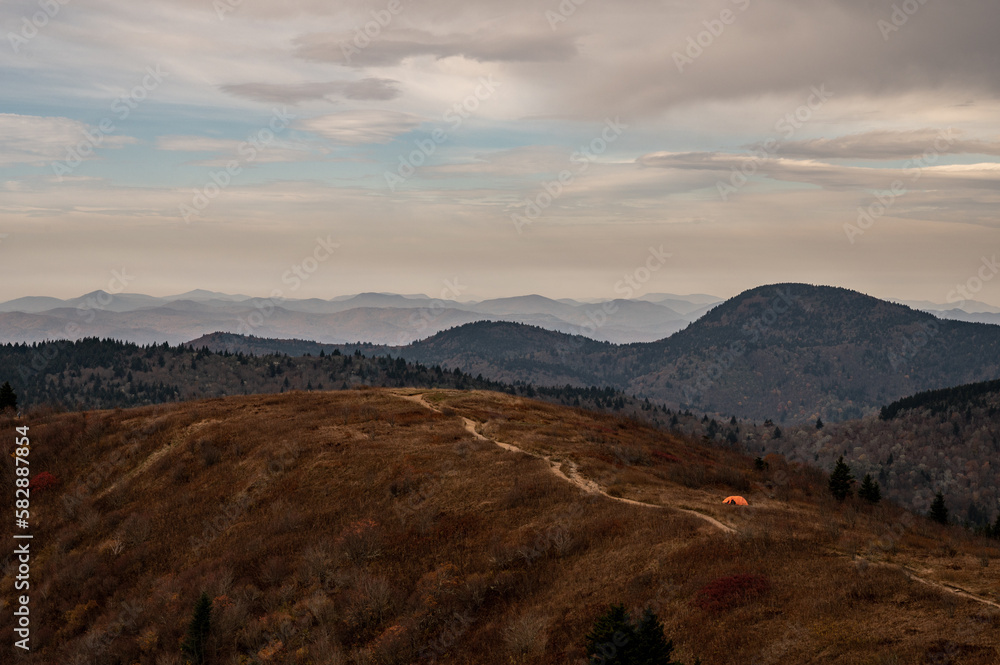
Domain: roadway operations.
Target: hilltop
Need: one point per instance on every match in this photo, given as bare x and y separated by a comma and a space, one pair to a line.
390, 525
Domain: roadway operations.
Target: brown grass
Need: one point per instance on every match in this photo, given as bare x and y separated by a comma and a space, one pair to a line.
357, 527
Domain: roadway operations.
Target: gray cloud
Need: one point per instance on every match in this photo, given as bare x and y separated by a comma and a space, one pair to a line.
359, 127
784, 47
882, 145
40, 140
393, 47
379, 89
832, 176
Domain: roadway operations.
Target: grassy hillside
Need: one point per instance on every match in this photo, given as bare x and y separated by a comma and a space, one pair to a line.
386, 526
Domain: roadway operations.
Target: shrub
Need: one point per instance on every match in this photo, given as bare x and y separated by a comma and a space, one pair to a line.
725, 593
524, 636
372, 602
631, 456
361, 541
43, 481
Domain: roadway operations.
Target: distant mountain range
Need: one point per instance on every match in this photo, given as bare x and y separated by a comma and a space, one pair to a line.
789, 352
972, 311
380, 318
377, 318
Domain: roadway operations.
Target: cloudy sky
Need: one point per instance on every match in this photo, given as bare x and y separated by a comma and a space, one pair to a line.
521, 146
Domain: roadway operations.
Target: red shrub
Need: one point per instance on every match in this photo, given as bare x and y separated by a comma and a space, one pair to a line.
43, 481
724, 593
666, 456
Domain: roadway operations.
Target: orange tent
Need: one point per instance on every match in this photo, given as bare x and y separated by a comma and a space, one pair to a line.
736, 501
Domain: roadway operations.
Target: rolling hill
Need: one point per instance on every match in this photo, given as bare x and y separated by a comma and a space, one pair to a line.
393, 526
789, 352
380, 318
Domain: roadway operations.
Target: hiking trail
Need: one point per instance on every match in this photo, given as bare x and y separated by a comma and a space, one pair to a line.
571, 475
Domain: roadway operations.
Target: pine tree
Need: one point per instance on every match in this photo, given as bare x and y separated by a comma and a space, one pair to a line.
819, 423
777, 433
616, 639
8, 398
611, 636
651, 647
870, 490
939, 511
840, 480
197, 632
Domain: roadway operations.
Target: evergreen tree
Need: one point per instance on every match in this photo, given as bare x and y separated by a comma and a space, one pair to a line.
870, 490
939, 511
777, 433
197, 632
615, 639
611, 636
840, 480
819, 423
650, 647
8, 398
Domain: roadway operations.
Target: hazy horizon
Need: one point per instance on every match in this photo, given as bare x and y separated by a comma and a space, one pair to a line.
468, 298
518, 147
515, 146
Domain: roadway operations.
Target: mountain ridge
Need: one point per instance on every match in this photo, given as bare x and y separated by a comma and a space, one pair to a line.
783, 351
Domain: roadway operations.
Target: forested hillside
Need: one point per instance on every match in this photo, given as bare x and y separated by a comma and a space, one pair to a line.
103, 374
788, 352
944, 441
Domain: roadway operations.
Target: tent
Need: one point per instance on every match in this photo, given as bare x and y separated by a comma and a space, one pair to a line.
736, 501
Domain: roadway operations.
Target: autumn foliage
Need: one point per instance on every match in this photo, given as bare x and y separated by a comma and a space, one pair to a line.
724, 593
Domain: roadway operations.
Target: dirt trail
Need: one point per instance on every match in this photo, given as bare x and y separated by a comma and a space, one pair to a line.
572, 475
950, 588
590, 487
